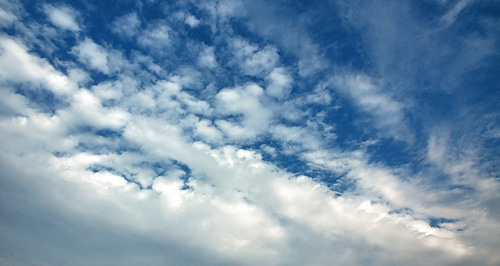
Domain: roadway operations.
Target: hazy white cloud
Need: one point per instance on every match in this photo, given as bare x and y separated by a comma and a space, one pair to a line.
252, 60
371, 99
6, 18
192, 21
127, 25
289, 33
18, 65
207, 58
155, 36
206, 130
279, 83
86, 109
296, 135
92, 55
234, 131
11, 103
62, 16
437, 146
244, 101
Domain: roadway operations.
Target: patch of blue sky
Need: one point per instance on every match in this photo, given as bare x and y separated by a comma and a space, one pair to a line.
438, 221
109, 133
127, 176
159, 167
105, 141
402, 211
40, 98
394, 153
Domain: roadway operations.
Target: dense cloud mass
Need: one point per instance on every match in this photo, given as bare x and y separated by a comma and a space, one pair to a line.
249, 132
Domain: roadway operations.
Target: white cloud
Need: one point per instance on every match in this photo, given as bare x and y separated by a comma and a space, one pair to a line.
11, 103
171, 95
269, 150
371, 99
113, 90
207, 58
252, 60
6, 18
170, 188
437, 146
155, 36
234, 131
17, 65
127, 25
205, 129
290, 34
296, 135
192, 21
246, 211
244, 101
62, 17
92, 55
279, 83
86, 109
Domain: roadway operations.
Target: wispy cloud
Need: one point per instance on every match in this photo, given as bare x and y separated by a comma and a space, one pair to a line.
450, 17
371, 99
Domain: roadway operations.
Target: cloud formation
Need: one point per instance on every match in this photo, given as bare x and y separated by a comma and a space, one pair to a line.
213, 133
62, 17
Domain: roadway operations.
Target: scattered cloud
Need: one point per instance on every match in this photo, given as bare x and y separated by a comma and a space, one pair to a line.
244, 101
156, 36
280, 83
92, 55
63, 17
252, 60
127, 25
229, 133
192, 21
370, 98
207, 58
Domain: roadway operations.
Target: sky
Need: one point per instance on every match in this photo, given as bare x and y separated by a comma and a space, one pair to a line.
222, 132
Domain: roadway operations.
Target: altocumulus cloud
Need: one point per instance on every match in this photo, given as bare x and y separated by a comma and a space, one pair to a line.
249, 133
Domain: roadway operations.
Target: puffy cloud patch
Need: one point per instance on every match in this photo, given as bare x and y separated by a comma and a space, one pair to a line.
63, 17
279, 83
207, 58
156, 36
244, 101
127, 25
252, 60
93, 55
192, 21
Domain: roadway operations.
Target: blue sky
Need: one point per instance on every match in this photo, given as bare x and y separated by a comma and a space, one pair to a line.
249, 132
